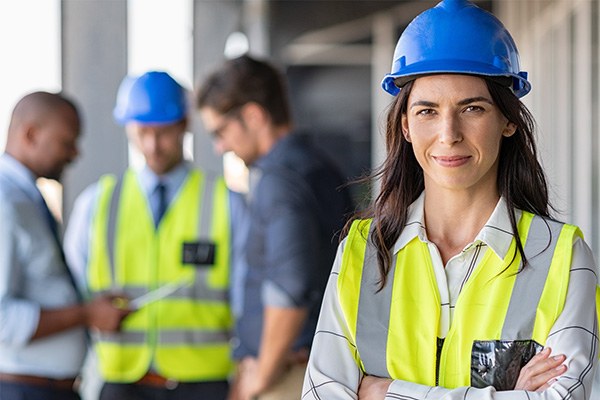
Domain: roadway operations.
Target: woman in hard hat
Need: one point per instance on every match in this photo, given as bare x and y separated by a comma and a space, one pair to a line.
457, 283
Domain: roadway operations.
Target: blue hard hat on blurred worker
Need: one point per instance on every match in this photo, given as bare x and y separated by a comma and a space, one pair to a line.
456, 36
152, 98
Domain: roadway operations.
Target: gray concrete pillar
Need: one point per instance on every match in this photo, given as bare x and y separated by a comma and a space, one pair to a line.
214, 20
256, 25
94, 60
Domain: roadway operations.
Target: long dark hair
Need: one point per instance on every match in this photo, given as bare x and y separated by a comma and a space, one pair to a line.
521, 179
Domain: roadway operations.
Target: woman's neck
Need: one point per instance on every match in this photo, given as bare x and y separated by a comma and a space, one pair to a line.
453, 219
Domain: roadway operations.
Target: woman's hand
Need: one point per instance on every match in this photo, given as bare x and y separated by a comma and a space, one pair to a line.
541, 371
373, 388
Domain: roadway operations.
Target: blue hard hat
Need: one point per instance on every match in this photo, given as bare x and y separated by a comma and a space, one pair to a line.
152, 98
456, 36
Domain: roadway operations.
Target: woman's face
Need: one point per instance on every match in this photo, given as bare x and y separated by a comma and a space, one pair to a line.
455, 130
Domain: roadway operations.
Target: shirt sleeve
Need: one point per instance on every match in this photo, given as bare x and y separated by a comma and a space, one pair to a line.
77, 235
333, 374
291, 240
18, 316
332, 371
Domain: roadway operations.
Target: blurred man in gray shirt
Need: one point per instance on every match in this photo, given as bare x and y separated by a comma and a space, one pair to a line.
283, 235
42, 321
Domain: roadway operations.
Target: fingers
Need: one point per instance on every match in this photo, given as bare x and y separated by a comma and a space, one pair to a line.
541, 371
542, 362
546, 385
106, 312
545, 379
120, 302
551, 367
117, 300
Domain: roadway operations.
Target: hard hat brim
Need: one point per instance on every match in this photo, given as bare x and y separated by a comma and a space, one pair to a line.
392, 83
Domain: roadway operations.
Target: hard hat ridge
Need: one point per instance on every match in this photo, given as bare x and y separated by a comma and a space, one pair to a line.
456, 36
152, 98
455, 5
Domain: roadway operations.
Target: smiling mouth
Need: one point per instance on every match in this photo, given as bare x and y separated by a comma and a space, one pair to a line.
451, 161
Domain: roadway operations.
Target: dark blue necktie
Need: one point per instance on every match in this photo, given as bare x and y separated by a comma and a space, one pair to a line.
54, 229
161, 195
51, 221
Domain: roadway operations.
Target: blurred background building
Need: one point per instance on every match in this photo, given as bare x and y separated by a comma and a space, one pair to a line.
334, 52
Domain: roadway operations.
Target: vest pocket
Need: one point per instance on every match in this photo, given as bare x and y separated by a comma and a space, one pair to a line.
498, 363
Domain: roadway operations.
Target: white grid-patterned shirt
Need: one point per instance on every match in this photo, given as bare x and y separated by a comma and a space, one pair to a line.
333, 374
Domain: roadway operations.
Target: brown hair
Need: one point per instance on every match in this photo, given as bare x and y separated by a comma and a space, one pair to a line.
243, 80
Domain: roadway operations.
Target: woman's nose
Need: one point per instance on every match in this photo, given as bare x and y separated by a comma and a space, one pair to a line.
449, 130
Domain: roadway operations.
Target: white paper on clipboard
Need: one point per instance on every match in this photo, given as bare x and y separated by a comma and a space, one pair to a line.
157, 294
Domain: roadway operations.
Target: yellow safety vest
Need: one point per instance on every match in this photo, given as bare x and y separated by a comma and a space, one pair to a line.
395, 329
184, 336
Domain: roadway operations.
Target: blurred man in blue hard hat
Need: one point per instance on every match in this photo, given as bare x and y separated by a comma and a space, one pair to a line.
160, 237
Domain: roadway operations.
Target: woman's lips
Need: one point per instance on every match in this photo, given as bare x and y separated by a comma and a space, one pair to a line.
451, 161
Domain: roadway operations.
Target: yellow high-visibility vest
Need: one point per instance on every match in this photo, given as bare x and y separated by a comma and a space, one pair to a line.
185, 336
395, 330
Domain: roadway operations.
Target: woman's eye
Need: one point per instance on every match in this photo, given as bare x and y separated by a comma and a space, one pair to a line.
474, 108
426, 111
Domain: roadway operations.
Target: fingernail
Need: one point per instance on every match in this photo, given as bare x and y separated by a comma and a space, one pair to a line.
559, 357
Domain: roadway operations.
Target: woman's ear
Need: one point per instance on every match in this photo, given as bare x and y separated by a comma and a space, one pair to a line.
509, 129
405, 131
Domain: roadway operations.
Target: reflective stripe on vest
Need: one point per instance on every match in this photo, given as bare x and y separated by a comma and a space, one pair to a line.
527, 290
186, 335
168, 337
395, 329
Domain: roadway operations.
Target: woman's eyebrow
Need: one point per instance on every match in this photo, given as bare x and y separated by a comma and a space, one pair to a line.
424, 103
475, 100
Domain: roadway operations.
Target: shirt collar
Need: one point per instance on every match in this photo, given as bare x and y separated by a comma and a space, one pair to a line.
173, 179
415, 224
496, 233
20, 175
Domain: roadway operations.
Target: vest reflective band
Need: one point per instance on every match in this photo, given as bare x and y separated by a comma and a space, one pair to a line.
185, 336
395, 330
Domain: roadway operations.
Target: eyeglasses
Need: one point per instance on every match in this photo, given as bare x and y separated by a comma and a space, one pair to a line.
217, 133
228, 118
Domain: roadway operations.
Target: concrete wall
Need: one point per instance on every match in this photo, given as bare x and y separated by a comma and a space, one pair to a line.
94, 60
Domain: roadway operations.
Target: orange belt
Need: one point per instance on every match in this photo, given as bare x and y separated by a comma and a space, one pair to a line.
155, 380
